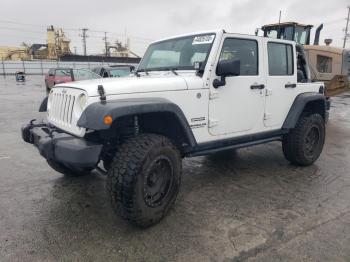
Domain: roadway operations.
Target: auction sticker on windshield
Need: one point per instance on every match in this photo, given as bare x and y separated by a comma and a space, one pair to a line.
203, 39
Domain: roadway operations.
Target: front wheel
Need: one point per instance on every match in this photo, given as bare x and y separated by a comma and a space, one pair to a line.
304, 143
144, 179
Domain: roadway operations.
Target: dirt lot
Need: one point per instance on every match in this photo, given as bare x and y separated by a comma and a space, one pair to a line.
248, 205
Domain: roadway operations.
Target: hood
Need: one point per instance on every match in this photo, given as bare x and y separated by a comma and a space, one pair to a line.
132, 84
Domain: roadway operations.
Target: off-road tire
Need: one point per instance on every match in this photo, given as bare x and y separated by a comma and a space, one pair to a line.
128, 179
296, 145
68, 171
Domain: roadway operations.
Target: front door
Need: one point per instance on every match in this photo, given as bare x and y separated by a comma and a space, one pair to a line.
238, 106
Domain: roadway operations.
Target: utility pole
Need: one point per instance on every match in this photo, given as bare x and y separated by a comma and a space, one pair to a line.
83, 38
106, 44
346, 28
279, 25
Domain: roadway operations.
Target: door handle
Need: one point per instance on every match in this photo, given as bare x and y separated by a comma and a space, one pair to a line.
290, 86
257, 86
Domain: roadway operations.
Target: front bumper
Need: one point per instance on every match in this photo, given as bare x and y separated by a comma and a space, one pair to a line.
61, 147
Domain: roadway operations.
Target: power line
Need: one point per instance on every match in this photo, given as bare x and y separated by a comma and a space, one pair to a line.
76, 29
21, 30
334, 21
19, 23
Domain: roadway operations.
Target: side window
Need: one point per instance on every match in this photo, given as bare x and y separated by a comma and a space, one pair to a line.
324, 64
280, 59
244, 50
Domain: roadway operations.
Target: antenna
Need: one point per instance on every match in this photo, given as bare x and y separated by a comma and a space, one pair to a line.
279, 19
346, 28
279, 25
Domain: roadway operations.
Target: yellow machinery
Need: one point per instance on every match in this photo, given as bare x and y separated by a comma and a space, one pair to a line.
328, 64
57, 45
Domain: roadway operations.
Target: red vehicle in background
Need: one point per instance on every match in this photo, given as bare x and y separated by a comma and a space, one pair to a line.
64, 75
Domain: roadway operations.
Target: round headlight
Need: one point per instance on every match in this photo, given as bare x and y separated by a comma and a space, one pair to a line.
82, 100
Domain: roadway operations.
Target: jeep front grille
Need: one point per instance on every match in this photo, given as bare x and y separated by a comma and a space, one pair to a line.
64, 111
62, 108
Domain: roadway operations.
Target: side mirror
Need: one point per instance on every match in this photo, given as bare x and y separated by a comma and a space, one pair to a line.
226, 68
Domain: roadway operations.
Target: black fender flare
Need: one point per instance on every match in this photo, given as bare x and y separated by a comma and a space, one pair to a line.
92, 116
43, 105
298, 106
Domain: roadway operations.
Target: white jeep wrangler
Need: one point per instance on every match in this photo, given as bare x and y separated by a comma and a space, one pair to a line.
191, 95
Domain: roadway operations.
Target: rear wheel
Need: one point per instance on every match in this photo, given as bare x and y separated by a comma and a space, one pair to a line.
144, 179
303, 144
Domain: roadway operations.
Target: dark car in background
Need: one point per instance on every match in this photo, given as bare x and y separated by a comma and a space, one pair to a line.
114, 70
64, 75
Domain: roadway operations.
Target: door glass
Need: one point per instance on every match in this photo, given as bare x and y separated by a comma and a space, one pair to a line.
280, 59
244, 50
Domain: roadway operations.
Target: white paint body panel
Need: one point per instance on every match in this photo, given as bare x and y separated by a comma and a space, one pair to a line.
237, 108
231, 111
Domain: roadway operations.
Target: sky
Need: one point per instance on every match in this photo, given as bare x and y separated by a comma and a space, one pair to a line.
147, 21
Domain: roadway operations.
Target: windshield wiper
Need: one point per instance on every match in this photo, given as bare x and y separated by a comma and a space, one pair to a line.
136, 73
173, 70
140, 70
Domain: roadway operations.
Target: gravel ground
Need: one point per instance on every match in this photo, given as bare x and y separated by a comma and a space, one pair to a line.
248, 205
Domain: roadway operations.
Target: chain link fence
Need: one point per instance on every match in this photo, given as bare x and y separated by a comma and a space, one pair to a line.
41, 67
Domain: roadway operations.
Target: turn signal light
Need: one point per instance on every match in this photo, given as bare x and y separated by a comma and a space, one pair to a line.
107, 120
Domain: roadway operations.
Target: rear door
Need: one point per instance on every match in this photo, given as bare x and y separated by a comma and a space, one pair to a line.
238, 106
281, 81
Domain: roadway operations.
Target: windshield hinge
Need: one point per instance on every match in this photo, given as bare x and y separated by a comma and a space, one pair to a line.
267, 116
213, 122
268, 92
213, 94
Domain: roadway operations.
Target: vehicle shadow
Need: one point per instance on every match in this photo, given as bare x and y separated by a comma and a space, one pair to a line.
234, 187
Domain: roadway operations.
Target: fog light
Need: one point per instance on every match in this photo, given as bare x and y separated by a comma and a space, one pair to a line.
107, 120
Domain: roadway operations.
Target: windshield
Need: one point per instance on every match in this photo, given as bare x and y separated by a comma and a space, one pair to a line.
301, 35
177, 54
119, 72
82, 74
